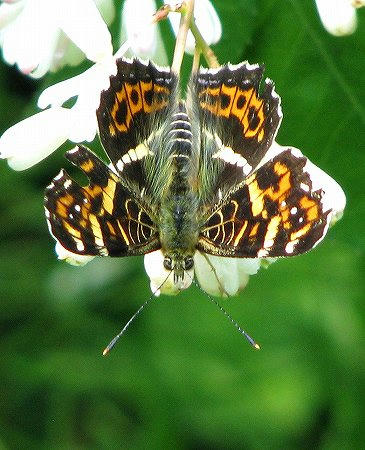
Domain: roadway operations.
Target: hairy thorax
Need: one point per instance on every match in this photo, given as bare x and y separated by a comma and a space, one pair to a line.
179, 226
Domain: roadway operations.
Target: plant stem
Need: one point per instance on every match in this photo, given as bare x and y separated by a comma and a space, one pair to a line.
185, 24
196, 60
201, 43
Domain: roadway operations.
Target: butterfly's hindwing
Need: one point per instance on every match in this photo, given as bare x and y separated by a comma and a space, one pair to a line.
102, 218
274, 212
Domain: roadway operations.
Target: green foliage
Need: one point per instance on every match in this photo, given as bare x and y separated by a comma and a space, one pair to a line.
182, 377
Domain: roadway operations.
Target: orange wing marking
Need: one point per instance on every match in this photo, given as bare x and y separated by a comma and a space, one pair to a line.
240, 233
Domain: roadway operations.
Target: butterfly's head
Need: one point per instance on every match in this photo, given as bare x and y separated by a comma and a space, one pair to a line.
169, 273
179, 264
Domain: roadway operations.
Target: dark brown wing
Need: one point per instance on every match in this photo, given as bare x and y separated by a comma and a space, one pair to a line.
131, 111
238, 123
231, 105
274, 213
102, 218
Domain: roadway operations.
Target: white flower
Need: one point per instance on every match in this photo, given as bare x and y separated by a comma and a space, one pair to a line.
339, 16
87, 88
143, 36
220, 276
71, 258
224, 276
34, 138
37, 35
31, 140
206, 19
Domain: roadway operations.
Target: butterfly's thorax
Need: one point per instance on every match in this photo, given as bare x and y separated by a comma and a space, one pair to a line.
178, 214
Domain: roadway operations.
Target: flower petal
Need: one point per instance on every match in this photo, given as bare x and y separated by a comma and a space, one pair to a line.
87, 88
139, 30
91, 83
333, 195
59, 93
33, 139
93, 37
338, 18
41, 41
224, 276
94, 81
9, 12
66, 53
72, 258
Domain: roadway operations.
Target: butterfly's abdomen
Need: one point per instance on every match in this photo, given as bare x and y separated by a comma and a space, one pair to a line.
180, 141
179, 226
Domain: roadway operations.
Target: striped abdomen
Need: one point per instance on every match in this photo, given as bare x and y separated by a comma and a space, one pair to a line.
180, 141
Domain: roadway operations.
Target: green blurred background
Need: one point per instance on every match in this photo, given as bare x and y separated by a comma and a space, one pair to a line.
182, 377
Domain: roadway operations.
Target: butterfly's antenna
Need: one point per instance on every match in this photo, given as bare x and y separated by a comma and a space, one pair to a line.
229, 317
136, 314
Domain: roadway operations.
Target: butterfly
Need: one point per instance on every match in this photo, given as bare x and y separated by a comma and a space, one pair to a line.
188, 176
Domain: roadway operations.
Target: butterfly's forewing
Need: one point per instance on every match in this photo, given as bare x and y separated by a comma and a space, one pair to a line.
102, 218
238, 123
275, 212
131, 112
231, 104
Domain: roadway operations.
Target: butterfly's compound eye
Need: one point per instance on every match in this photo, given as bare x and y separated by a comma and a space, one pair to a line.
167, 263
188, 263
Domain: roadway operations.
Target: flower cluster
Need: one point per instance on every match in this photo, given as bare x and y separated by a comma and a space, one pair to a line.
43, 35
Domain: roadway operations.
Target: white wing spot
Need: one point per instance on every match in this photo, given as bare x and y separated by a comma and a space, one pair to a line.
142, 151
79, 245
229, 156
120, 165
294, 210
289, 248
262, 253
78, 208
126, 159
132, 154
305, 187
59, 175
